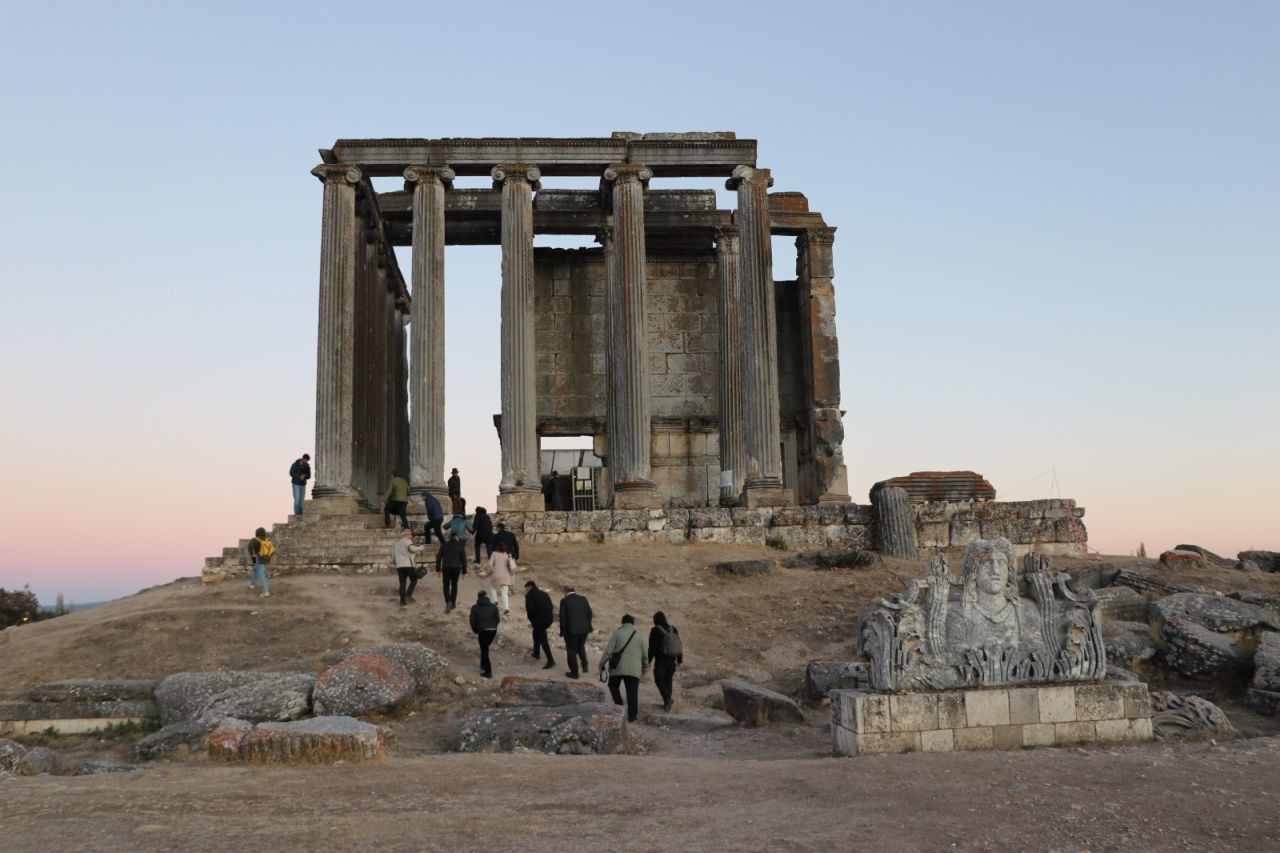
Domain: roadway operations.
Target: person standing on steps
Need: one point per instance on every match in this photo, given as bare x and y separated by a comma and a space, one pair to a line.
435, 515
299, 473
451, 561
484, 624
506, 537
482, 523
261, 549
396, 501
625, 661
541, 613
575, 625
666, 653
501, 570
455, 492
403, 555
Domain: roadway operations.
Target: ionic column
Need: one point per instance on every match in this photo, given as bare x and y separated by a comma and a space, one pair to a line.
732, 440
627, 356
426, 333
763, 477
335, 354
520, 489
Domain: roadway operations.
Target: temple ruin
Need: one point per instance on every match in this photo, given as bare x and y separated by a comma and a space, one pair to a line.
701, 380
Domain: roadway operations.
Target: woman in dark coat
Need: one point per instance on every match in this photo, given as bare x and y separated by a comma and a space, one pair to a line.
664, 665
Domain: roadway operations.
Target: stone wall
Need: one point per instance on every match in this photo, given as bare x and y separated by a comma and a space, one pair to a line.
1050, 526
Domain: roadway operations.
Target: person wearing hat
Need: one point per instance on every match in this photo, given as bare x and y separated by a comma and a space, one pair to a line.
455, 492
484, 624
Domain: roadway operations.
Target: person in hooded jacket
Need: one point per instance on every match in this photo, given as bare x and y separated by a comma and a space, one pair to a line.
631, 665
482, 524
664, 665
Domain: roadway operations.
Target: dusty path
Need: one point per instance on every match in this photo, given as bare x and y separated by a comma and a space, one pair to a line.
1153, 797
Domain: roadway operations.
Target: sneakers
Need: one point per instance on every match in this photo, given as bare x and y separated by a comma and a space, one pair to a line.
251, 586
265, 595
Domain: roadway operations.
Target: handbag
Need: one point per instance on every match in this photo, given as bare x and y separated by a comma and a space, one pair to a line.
615, 659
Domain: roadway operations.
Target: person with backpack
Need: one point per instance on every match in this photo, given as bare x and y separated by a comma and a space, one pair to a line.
666, 653
299, 473
624, 661
541, 613
402, 553
451, 561
261, 549
396, 501
482, 523
435, 515
484, 624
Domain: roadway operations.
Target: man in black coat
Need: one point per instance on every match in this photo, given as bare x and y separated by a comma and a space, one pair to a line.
575, 625
506, 537
455, 492
451, 561
541, 613
484, 624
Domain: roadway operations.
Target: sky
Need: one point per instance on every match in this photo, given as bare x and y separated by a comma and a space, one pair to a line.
1056, 259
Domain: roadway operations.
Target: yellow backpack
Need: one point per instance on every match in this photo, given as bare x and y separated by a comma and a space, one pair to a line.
266, 549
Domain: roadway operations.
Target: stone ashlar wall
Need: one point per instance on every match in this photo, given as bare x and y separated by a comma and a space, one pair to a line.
1045, 526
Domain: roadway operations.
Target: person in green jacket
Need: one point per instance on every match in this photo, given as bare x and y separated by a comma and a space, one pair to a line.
396, 501
632, 663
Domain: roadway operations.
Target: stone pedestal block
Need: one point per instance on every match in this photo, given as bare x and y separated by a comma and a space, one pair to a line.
521, 501
637, 496
766, 495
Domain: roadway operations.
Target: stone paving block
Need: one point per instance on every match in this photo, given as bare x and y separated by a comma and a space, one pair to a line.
872, 714
873, 742
1024, 705
1007, 737
1038, 734
982, 737
1057, 704
951, 711
986, 707
1137, 700
1098, 702
938, 740
913, 712
1075, 732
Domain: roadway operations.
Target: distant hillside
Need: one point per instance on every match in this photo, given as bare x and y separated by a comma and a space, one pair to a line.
73, 608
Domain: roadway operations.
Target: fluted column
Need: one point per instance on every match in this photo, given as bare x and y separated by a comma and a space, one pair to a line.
732, 440
426, 334
520, 489
335, 354
627, 353
400, 360
762, 484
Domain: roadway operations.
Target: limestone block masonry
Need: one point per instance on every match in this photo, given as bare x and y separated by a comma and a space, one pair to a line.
864, 722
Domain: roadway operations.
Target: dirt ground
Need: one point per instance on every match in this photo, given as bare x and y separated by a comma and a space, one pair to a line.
698, 782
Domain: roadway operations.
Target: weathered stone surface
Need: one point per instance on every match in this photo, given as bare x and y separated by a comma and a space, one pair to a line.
1265, 702
1208, 635
40, 760
1183, 559
1178, 715
895, 522
97, 768
11, 754
314, 741
531, 690
744, 568
106, 711
254, 696
1210, 558
1268, 561
1117, 673
362, 684
1121, 603
94, 691
1129, 644
922, 486
189, 734
756, 706
821, 677
423, 664
984, 633
592, 729
1266, 662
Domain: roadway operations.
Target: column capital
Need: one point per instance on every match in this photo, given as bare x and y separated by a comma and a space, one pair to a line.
427, 174
623, 172
749, 175
604, 236
337, 172
515, 172
726, 238
825, 235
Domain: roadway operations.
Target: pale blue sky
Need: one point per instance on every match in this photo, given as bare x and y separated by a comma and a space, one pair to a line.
1057, 249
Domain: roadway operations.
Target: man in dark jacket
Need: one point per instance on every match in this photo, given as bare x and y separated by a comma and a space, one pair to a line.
455, 492
506, 537
451, 561
575, 625
541, 613
435, 515
483, 524
299, 473
484, 624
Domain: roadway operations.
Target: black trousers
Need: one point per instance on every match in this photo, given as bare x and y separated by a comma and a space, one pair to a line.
575, 646
451, 585
540, 644
434, 527
395, 508
633, 694
406, 575
486, 640
488, 547
664, 671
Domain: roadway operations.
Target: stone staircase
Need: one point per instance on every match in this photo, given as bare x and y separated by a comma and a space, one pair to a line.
355, 543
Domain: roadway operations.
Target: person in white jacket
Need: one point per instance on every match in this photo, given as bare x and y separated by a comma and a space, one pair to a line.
501, 569
403, 554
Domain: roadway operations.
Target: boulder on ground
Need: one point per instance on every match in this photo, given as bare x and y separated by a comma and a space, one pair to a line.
362, 684
11, 754
823, 676
1265, 702
1122, 603
1248, 566
188, 734
1181, 715
422, 663
744, 568
756, 706
1177, 559
255, 696
1210, 558
319, 740
115, 690
1266, 663
1268, 561
1128, 644
1209, 635
40, 760
592, 729
531, 690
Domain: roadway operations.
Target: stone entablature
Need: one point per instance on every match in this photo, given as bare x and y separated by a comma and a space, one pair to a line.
864, 722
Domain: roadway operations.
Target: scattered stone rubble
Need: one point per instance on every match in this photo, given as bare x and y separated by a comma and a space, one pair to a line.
1209, 635
588, 729
531, 690
317, 740
1181, 715
363, 684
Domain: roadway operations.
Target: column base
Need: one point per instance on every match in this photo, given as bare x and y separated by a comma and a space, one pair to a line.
764, 493
838, 491
636, 494
338, 504
521, 500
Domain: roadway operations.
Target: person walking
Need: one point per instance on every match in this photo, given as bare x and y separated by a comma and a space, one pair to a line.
396, 501
261, 550
403, 552
575, 625
451, 562
484, 624
435, 515
666, 653
541, 613
482, 523
501, 570
299, 473
624, 660
506, 537
460, 527
455, 492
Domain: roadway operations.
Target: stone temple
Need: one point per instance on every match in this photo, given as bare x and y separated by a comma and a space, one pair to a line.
701, 380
